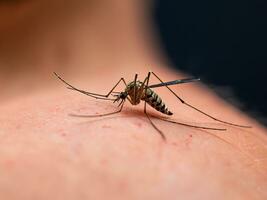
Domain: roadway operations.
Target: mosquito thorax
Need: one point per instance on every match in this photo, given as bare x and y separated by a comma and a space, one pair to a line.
130, 87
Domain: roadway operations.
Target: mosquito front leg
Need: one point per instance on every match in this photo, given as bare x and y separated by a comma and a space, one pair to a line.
142, 88
94, 95
157, 129
135, 89
185, 103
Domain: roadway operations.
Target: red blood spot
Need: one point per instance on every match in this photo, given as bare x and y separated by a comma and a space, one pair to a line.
18, 126
123, 185
227, 163
62, 132
103, 162
138, 124
188, 140
57, 108
174, 144
106, 126
9, 163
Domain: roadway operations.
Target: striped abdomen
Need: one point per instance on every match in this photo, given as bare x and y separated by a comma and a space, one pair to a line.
156, 102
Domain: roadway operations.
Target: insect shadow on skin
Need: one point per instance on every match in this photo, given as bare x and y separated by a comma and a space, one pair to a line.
137, 91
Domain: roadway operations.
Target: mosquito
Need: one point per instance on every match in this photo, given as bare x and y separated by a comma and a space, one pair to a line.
137, 91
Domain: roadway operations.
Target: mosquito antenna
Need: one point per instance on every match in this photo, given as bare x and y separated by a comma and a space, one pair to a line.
96, 97
71, 87
90, 93
182, 101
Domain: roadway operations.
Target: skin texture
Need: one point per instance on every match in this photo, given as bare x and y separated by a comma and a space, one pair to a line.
47, 154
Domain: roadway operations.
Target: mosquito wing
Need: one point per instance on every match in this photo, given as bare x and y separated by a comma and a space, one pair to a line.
179, 81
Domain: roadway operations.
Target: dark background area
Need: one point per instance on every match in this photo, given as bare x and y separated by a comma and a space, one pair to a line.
222, 42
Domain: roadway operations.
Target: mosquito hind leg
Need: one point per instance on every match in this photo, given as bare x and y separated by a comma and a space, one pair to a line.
152, 123
94, 95
193, 126
147, 115
200, 111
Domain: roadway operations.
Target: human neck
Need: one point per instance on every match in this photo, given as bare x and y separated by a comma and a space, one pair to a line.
79, 38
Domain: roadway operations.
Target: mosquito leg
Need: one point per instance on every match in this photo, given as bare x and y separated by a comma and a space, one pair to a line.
135, 78
94, 95
185, 103
142, 88
147, 115
129, 100
100, 115
159, 131
193, 126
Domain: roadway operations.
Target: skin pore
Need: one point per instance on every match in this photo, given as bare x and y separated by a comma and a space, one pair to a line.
47, 154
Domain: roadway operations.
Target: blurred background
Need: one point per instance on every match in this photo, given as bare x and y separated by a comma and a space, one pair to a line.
223, 42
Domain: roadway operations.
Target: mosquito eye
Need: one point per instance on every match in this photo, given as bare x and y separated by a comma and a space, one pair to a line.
123, 95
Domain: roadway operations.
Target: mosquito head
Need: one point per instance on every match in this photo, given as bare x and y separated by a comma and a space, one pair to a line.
120, 96
123, 95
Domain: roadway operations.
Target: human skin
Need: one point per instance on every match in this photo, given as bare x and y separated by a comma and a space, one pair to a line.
47, 154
